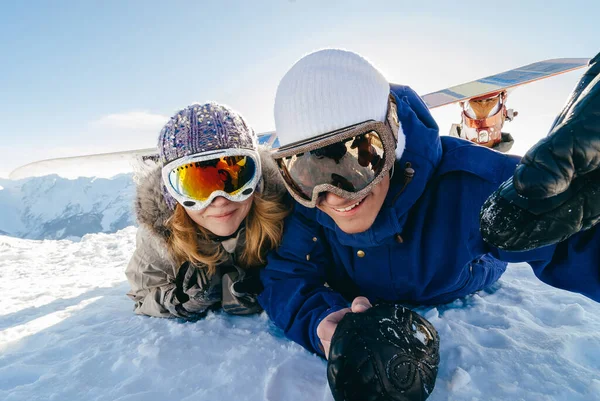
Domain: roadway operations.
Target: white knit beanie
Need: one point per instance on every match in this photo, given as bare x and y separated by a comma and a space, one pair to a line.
328, 90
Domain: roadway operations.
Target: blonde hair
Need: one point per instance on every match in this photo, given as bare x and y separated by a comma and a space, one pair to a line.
264, 228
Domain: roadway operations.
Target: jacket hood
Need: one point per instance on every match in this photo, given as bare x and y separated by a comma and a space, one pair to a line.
153, 212
423, 150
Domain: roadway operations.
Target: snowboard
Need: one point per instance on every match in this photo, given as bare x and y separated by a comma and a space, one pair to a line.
505, 80
475, 89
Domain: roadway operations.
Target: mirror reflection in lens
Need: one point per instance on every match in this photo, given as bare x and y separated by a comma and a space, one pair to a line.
350, 164
198, 180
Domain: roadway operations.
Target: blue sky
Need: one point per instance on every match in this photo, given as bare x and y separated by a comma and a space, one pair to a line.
98, 76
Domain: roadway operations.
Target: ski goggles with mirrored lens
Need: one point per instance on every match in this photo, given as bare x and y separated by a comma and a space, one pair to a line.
346, 162
194, 181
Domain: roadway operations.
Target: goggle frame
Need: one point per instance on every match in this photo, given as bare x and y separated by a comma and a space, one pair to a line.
382, 129
194, 204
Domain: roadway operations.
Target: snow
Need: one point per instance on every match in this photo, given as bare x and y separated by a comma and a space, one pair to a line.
460, 378
67, 332
419, 335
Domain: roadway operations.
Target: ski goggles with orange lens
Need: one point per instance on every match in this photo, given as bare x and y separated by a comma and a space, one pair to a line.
194, 181
346, 162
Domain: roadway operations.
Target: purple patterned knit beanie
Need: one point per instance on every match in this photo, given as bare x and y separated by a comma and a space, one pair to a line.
200, 128
203, 127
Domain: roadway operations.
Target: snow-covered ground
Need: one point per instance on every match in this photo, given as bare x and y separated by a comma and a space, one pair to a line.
67, 332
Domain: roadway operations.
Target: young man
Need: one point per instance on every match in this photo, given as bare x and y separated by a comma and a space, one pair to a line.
387, 210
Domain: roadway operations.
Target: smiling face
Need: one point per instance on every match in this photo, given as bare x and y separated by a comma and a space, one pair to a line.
355, 216
222, 217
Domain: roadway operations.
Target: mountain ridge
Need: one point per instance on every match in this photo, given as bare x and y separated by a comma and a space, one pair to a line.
52, 207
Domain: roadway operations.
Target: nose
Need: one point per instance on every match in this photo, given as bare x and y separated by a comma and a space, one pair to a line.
219, 201
333, 200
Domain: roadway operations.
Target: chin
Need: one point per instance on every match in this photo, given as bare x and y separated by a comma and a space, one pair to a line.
352, 230
225, 231
222, 233
357, 225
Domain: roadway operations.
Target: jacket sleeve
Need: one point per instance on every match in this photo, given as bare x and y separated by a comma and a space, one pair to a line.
572, 265
295, 295
150, 286
152, 278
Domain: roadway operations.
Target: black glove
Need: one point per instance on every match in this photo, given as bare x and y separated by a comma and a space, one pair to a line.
248, 287
194, 292
387, 353
240, 292
555, 190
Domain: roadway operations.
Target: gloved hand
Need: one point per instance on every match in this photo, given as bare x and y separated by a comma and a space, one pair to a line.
555, 190
328, 325
386, 353
194, 292
240, 291
247, 288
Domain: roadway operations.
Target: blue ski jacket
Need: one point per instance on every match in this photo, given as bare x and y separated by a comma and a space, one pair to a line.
424, 247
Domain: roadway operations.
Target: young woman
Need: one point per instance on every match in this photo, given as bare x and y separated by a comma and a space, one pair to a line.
207, 216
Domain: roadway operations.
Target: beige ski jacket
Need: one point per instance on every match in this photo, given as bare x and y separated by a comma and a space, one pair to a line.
161, 288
